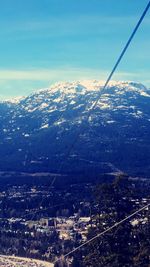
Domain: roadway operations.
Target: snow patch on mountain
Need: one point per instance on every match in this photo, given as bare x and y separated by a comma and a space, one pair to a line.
60, 90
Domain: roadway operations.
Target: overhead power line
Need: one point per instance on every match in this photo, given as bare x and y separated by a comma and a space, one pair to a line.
106, 231
123, 52
105, 85
101, 91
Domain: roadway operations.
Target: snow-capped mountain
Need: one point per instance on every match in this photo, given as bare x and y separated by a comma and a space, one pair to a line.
37, 131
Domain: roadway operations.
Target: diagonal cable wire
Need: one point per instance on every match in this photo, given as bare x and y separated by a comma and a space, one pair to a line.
102, 90
105, 85
106, 231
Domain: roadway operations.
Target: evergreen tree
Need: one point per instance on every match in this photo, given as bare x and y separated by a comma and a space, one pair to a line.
113, 203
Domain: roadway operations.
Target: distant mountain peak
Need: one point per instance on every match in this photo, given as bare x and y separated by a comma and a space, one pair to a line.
82, 87
91, 85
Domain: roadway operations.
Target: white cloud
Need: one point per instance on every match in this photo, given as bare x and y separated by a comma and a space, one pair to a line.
49, 74
24, 82
66, 73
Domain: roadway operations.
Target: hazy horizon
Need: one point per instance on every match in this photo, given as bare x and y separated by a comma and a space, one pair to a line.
34, 90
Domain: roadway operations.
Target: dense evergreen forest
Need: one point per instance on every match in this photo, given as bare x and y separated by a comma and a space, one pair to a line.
128, 244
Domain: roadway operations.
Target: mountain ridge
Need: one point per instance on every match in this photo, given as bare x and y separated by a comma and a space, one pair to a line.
37, 130
88, 85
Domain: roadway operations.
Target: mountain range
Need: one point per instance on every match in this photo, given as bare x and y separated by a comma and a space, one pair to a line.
48, 131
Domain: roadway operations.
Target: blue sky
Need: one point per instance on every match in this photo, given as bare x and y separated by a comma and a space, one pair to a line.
45, 41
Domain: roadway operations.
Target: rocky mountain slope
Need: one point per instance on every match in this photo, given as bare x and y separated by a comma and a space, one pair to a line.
37, 131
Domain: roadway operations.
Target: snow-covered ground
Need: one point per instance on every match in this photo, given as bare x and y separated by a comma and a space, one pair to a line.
11, 261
